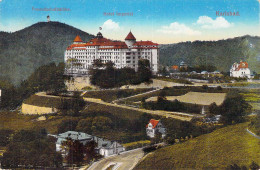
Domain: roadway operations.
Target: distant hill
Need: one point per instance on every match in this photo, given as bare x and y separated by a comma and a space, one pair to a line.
222, 53
216, 150
25, 50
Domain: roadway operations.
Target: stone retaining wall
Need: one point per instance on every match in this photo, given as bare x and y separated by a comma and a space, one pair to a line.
31, 109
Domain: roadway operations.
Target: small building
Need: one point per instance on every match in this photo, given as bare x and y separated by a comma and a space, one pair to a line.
216, 72
155, 127
183, 66
82, 137
107, 148
104, 147
204, 72
48, 18
240, 70
175, 67
214, 119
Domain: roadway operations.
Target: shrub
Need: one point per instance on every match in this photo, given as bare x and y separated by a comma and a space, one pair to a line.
138, 144
5, 136
149, 149
205, 87
219, 88
85, 125
67, 125
31, 149
254, 166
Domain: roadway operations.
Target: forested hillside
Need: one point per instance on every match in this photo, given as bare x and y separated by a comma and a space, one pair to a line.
222, 53
23, 51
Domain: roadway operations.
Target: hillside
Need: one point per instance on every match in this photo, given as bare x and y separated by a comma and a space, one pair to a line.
225, 146
23, 51
222, 53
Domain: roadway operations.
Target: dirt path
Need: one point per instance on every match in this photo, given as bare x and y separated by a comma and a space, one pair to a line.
174, 115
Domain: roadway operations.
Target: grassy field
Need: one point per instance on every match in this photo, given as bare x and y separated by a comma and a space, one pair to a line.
217, 150
196, 98
173, 91
110, 95
45, 101
244, 84
16, 121
116, 111
252, 96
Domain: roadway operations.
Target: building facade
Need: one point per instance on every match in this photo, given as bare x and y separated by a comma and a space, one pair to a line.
155, 127
240, 70
79, 56
104, 147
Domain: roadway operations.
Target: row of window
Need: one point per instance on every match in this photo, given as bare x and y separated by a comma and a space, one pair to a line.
109, 57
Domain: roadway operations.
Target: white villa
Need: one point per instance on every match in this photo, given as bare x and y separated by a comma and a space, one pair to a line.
104, 147
154, 127
107, 148
240, 70
80, 55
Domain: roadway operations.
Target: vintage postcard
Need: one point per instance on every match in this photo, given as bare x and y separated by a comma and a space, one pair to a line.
130, 85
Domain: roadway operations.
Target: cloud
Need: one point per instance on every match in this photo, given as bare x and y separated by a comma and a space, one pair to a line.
178, 28
209, 23
110, 25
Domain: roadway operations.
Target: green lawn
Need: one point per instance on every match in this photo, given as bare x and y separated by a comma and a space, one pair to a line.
115, 111
217, 150
45, 101
110, 95
16, 121
252, 96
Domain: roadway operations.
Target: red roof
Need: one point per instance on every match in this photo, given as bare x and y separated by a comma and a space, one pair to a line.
175, 67
75, 45
242, 65
78, 39
144, 43
153, 122
105, 43
130, 36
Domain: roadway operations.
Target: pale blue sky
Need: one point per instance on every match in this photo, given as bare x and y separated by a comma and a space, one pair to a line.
166, 21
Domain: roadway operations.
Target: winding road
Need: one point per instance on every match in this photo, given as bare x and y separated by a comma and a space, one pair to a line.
174, 115
126, 160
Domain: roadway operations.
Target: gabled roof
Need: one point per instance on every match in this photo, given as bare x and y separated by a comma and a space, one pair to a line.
175, 67
153, 122
130, 36
74, 136
242, 64
78, 39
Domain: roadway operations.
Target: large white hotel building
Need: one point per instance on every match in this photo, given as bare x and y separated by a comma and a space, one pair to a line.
79, 56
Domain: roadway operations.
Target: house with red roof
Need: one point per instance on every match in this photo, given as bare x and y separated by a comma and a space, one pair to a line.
79, 56
155, 127
240, 70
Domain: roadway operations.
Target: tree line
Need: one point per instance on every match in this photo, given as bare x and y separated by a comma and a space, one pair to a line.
105, 75
48, 78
